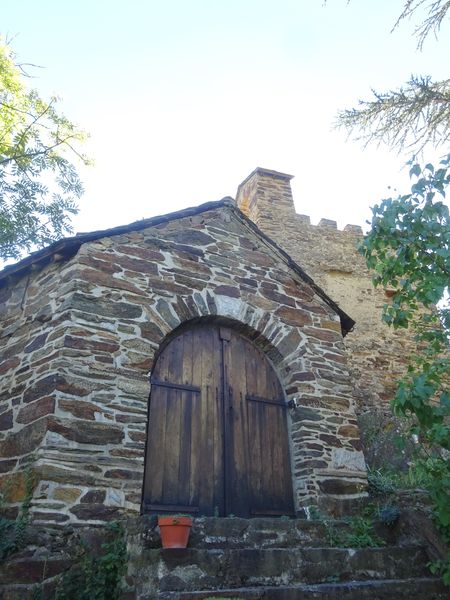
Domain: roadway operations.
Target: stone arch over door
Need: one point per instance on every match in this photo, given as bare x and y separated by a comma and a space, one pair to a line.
217, 439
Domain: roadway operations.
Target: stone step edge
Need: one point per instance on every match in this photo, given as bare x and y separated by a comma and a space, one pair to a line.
435, 583
199, 551
286, 549
238, 545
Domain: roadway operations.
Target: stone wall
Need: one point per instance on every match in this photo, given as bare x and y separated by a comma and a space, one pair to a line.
79, 337
376, 353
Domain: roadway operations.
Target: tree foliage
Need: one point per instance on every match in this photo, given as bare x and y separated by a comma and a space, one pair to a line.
409, 118
417, 114
408, 249
436, 13
39, 185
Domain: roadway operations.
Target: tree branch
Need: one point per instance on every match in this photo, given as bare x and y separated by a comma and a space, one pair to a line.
408, 118
437, 10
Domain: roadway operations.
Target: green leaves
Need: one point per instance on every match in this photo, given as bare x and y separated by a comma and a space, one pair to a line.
39, 185
415, 170
408, 249
408, 246
97, 576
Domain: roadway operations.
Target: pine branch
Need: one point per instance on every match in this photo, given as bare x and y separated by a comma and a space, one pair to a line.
409, 118
437, 10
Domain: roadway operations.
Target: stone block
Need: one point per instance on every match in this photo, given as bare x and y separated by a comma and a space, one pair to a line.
37, 409
86, 432
94, 497
24, 441
292, 316
342, 486
36, 343
6, 420
79, 408
341, 458
95, 512
66, 494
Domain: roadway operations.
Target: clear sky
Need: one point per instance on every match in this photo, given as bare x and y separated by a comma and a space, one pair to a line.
183, 99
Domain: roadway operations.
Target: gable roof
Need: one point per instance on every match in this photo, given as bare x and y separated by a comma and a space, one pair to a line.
68, 247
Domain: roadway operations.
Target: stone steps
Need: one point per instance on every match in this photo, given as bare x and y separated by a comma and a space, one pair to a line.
261, 559
191, 569
257, 559
404, 589
233, 532
261, 533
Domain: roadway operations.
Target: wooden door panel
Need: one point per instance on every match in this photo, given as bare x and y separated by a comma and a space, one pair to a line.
172, 471
210, 464
269, 475
217, 439
184, 458
261, 460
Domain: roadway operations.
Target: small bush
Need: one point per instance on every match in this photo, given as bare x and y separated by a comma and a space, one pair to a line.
13, 533
96, 577
360, 535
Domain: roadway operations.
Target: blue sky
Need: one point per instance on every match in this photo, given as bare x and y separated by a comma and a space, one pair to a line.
184, 99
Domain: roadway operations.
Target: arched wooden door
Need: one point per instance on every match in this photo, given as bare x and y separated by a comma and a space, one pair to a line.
217, 434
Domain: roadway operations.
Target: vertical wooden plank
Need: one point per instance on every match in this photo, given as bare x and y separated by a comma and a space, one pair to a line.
269, 437
216, 421
282, 463
186, 422
173, 423
236, 352
197, 425
254, 437
202, 377
226, 411
154, 460
186, 400
264, 463
154, 466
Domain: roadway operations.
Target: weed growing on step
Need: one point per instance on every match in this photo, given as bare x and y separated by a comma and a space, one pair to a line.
360, 534
96, 577
385, 481
441, 567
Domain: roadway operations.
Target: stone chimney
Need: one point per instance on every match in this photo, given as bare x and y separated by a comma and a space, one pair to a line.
266, 195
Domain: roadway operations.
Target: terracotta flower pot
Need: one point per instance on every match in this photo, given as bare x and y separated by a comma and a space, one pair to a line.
174, 531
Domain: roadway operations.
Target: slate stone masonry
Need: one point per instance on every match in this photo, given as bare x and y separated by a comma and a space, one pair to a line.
80, 335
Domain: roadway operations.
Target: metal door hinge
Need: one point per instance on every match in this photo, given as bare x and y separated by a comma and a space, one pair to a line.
294, 403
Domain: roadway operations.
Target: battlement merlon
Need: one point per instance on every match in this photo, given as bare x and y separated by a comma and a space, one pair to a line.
267, 194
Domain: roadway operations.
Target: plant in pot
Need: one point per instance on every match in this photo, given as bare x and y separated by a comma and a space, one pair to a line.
174, 530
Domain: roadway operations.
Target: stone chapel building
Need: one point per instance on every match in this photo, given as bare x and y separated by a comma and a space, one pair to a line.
209, 361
